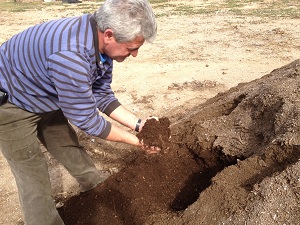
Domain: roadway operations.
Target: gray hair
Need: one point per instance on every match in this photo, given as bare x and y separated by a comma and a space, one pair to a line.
128, 19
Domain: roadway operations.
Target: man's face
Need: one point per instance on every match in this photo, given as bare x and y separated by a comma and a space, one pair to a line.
120, 51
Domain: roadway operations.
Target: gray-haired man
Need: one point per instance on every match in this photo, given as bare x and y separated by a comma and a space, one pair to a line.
60, 72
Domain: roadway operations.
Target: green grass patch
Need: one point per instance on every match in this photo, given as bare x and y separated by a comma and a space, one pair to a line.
258, 8
20, 7
158, 1
164, 8
33, 6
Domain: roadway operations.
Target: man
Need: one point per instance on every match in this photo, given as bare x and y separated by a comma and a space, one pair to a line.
60, 72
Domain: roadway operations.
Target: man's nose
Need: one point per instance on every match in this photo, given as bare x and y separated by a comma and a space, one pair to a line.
134, 53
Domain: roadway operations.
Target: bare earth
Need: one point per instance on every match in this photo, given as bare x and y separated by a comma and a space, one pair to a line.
236, 155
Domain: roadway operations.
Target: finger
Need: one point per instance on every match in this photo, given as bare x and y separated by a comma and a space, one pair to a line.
153, 150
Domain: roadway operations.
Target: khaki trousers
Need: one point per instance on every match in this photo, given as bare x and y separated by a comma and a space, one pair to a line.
20, 133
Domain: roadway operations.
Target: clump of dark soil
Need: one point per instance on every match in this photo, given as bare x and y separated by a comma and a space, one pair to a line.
156, 132
232, 160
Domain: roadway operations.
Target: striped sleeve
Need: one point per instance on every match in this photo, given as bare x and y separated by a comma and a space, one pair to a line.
103, 93
70, 74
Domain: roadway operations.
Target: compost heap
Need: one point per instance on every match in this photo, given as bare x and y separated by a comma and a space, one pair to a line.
232, 160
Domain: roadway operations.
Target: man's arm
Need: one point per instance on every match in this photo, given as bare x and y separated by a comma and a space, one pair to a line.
117, 134
124, 117
128, 119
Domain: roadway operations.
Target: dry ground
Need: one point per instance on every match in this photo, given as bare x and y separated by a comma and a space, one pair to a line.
202, 48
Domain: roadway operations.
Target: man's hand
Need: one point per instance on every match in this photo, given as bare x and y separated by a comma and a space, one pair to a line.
150, 149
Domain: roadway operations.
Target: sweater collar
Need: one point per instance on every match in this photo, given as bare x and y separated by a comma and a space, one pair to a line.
95, 36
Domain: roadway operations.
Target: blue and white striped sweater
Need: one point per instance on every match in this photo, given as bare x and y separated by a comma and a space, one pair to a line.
55, 65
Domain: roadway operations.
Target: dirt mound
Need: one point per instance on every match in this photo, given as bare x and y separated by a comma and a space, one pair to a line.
232, 160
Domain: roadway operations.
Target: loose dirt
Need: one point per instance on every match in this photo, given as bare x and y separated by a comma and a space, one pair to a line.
251, 130
233, 149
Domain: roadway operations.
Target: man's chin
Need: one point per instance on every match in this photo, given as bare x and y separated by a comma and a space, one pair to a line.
120, 59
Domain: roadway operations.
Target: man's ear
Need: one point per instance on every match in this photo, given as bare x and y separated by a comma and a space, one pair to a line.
108, 35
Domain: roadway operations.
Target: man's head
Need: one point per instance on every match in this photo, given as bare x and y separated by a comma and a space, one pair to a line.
124, 25
127, 19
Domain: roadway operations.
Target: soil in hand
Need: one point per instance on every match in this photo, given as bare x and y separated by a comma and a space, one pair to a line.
156, 132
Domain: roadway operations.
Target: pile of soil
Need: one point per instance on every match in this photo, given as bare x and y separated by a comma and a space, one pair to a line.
232, 160
149, 184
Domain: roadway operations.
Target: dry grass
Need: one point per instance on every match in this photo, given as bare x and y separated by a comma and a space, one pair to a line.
260, 8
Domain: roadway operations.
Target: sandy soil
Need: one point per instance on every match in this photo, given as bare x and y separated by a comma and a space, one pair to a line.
194, 58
